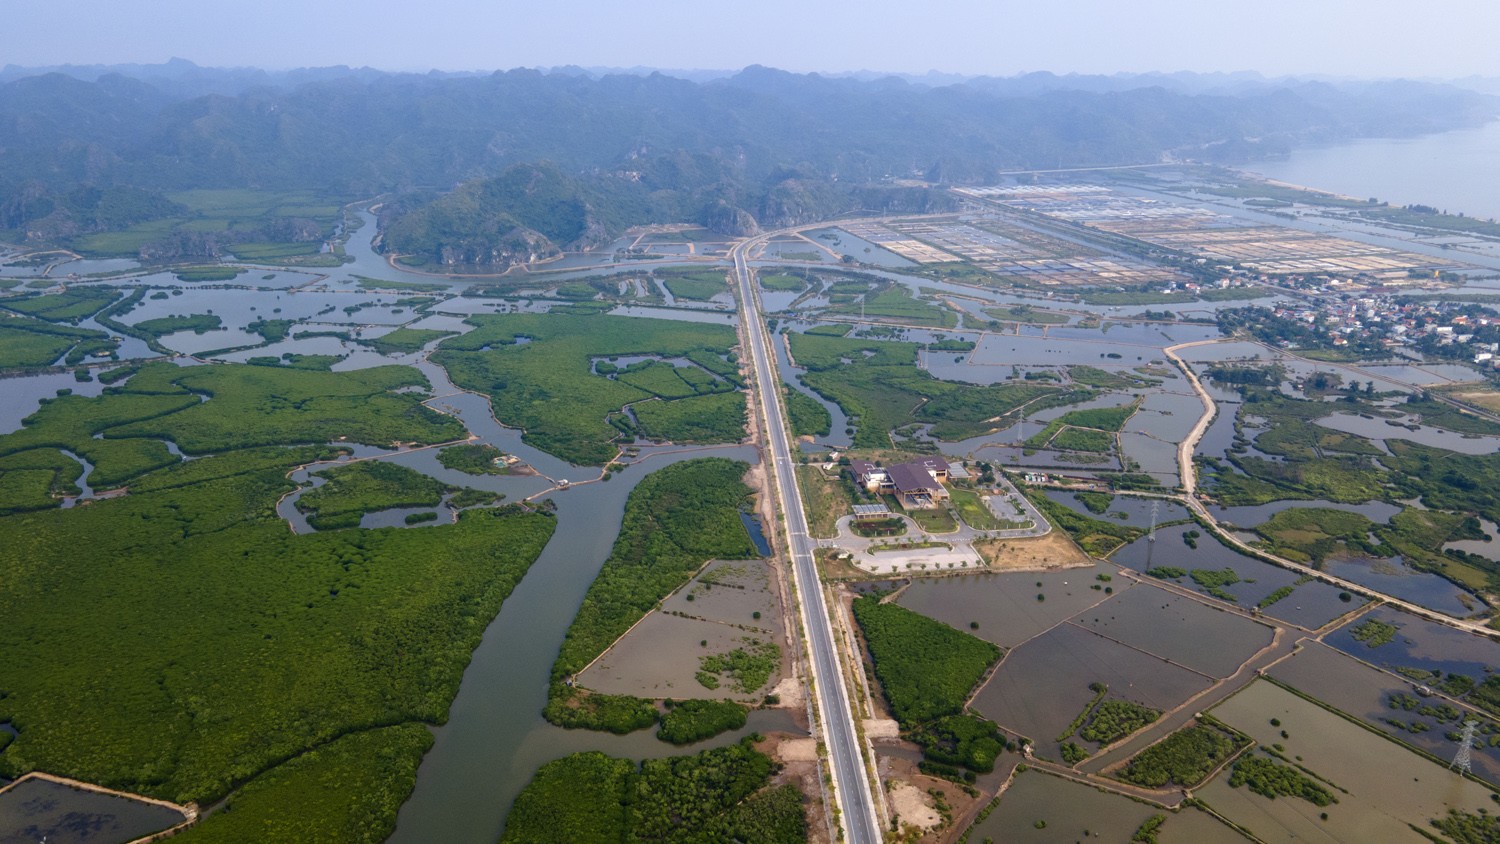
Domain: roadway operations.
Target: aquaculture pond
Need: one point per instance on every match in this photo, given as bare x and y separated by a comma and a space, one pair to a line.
39, 810
1380, 700
1310, 604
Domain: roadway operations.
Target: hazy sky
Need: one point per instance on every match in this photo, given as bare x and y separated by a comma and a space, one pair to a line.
1371, 38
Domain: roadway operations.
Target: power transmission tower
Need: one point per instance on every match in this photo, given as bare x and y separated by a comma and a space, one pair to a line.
1465, 745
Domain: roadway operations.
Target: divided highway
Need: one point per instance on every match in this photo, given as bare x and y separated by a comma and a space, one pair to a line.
852, 788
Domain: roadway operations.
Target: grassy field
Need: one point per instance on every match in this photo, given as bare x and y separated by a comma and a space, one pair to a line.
895, 303
973, 510
225, 212
546, 386
825, 500
878, 385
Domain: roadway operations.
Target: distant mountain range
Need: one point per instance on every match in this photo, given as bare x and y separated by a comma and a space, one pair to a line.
465, 156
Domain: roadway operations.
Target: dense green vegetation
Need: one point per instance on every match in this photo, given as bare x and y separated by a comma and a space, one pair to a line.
32, 343
1213, 582
1114, 719
892, 302
695, 285
781, 282
1466, 828
367, 486
1313, 534
196, 323
207, 273
473, 459
745, 668
1271, 779
1374, 632
806, 415
193, 643
694, 720
1184, 758
960, 740
71, 305
715, 796
675, 520
347, 790
716, 418
547, 386
404, 340
251, 405
578, 798
878, 384
926, 668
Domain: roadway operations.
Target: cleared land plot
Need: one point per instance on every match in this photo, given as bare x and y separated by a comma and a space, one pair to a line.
1185, 631
661, 656
1042, 808
1005, 605
1388, 787
1365, 693
1311, 604
1042, 685
1054, 550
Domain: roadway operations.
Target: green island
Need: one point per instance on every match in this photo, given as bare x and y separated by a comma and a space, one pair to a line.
368, 486
1183, 758
287, 662
549, 386
473, 459
676, 519
724, 794
1272, 779
744, 668
404, 340
694, 720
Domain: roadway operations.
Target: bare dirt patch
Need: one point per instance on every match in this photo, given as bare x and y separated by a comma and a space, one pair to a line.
912, 806
1044, 552
882, 728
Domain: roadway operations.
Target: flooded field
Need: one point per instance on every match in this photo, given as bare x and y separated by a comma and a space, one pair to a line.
1005, 605
1311, 604
728, 605
1397, 429
1419, 643
1383, 787
1126, 509
1043, 685
24, 395
36, 810
1394, 577
1041, 808
1365, 693
1205, 639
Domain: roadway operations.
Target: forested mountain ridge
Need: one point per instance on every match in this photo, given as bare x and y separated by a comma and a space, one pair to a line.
760, 147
